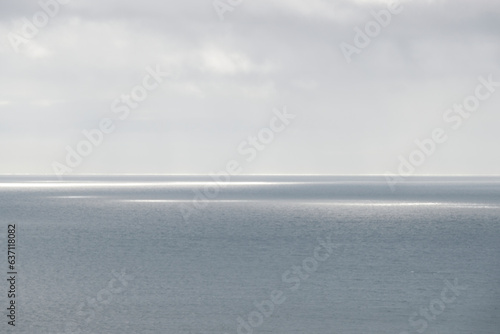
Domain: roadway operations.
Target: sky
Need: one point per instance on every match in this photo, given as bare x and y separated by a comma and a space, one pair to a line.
275, 86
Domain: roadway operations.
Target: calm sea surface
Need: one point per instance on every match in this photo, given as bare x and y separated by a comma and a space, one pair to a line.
261, 254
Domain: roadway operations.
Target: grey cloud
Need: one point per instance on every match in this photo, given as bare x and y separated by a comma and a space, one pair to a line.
231, 73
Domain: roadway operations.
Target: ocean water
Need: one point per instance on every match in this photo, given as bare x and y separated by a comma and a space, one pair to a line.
260, 254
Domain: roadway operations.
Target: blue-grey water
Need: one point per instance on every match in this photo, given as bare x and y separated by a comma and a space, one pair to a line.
319, 255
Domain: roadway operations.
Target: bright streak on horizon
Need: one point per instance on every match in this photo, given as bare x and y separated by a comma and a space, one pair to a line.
391, 204
130, 184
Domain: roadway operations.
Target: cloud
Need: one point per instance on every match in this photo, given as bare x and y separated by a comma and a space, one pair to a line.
230, 74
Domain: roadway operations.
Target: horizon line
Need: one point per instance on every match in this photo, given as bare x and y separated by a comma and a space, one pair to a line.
260, 174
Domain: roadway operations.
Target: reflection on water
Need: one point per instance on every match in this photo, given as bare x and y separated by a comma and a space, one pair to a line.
200, 276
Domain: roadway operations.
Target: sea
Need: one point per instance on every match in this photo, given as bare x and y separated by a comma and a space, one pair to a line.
249, 254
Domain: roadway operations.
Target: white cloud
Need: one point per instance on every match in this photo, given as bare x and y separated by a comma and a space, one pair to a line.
268, 53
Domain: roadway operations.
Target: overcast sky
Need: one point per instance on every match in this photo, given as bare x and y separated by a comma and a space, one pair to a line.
227, 76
